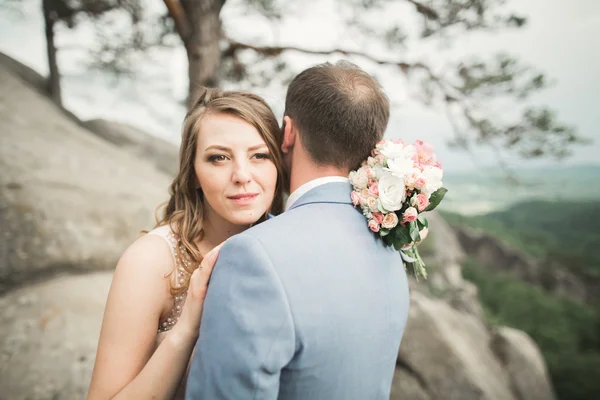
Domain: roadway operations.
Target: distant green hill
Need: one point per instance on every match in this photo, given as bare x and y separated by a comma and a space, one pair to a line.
567, 232
483, 191
568, 332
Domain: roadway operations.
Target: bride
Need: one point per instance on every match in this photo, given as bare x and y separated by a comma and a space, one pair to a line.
230, 177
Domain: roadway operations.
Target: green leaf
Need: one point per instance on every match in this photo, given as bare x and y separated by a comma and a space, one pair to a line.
401, 237
384, 232
388, 240
436, 198
398, 245
414, 232
422, 221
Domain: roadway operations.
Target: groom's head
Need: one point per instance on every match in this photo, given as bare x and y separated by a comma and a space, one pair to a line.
339, 113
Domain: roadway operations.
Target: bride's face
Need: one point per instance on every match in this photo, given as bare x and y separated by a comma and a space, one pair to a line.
234, 168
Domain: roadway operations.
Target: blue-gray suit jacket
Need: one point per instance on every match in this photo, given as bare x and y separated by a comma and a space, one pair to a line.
309, 305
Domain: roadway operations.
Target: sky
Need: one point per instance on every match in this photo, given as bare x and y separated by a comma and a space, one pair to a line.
561, 39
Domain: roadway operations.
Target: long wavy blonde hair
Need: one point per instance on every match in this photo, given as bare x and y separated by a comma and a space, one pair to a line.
184, 210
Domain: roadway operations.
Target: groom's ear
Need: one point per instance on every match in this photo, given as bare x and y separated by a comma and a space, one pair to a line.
289, 135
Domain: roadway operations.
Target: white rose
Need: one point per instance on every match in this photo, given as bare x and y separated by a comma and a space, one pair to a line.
409, 151
360, 180
392, 192
372, 204
392, 150
400, 166
433, 179
379, 171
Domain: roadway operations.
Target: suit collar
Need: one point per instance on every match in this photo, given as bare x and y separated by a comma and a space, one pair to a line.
334, 192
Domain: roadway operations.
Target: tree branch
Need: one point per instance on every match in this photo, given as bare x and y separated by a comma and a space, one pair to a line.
424, 10
274, 51
450, 93
182, 25
443, 90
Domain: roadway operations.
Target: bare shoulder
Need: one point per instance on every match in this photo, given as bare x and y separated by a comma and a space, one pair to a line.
141, 274
137, 298
149, 254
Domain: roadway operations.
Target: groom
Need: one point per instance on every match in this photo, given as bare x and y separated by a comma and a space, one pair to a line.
309, 305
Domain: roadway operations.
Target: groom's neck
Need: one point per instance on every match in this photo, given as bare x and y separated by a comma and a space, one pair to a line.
307, 171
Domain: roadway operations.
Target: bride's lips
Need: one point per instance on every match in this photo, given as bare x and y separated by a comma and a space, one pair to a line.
243, 199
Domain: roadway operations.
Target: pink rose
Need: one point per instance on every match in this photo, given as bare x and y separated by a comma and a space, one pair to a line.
370, 173
422, 201
398, 141
425, 153
419, 183
355, 198
378, 217
389, 221
409, 215
373, 225
374, 189
411, 178
364, 194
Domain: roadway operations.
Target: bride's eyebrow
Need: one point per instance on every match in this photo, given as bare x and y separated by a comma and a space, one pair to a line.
216, 147
224, 148
258, 146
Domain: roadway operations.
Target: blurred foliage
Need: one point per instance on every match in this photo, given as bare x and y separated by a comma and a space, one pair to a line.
567, 331
473, 92
564, 233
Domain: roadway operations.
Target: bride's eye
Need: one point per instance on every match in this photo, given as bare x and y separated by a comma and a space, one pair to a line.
262, 156
217, 158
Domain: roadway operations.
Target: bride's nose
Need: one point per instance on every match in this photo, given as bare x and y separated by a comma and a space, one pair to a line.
241, 173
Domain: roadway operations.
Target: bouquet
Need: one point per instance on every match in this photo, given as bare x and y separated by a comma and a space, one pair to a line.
393, 188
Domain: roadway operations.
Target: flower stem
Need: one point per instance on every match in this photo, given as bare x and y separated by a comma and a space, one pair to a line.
419, 265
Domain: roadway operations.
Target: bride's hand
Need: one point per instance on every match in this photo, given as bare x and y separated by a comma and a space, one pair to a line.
423, 234
188, 324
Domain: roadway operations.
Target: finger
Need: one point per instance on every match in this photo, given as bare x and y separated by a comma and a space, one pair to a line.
197, 285
209, 261
192, 309
408, 246
201, 276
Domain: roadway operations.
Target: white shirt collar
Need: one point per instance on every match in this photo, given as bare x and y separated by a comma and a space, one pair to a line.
296, 194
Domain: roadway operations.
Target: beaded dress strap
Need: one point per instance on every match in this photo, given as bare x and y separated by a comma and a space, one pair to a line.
166, 233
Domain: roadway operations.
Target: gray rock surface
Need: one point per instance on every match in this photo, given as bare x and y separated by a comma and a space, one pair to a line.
69, 200
70, 203
164, 155
449, 351
524, 363
48, 337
